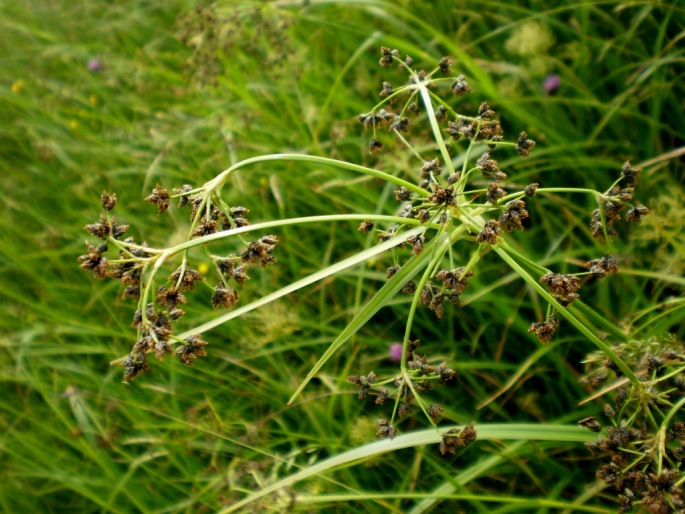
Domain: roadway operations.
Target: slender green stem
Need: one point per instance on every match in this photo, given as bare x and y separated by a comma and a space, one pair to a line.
220, 180
395, 93
447, 106
437, 257
569, 316
570, 190
407, 380
439, 254
529, 503
464, 174
661, 435
409, 146
297, 221
311, 279
494, 432
437, 134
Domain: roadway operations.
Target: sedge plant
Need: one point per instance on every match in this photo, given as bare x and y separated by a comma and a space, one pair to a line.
445, 207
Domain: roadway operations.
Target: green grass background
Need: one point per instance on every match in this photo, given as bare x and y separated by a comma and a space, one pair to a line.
186, 89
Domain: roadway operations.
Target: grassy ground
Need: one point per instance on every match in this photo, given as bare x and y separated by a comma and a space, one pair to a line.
122, 95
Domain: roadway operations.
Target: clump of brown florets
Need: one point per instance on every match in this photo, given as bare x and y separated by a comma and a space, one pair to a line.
108, 200
603, 266
494, 193
375, 145
135, 365
445, 64
514, 214
160, 198
170, 298
613, 202
460, 87
365, 226
95, 261
631, 174
260, 251
524, 145
106, 227
491, 230
224, 297
489, 168
387, 56
184, 278
364, 382
562, 287
420, 377
531, 189
544, 330
454, 280
643, 446
456, 438
191, 349
385, 429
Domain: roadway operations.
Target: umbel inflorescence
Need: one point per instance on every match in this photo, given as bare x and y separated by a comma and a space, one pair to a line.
160, 298
643, 446
444, 204
452, 208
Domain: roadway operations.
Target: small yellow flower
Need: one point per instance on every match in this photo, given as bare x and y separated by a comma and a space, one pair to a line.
73, 124
18, 86
203, 268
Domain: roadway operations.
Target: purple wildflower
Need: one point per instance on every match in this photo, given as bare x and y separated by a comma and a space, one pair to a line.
551, 83
396, 352
94, 65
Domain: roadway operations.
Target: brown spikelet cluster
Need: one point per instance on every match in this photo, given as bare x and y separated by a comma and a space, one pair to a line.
614, 202
562, 287
159, 304
642, 448
421, 375
455, 438
544, 330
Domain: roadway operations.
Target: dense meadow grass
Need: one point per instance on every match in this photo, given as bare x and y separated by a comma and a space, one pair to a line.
123, 95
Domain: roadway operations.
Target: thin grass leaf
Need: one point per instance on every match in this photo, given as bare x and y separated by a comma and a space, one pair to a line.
508, 432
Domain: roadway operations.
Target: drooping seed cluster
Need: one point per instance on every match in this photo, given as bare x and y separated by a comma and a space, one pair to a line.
402, 390
643, 446
159, 304
613, 202
564, 287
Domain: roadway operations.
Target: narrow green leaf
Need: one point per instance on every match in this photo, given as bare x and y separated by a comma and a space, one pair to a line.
379, 300
314, 277
486, 432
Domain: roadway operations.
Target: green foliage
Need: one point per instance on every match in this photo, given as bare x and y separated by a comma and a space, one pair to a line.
120, 96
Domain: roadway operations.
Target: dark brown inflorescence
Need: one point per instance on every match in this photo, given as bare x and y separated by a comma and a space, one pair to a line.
613, 202
420, 376
491, 231
160, 198
489, 168
562, 287
460, 87
643, 446
260, 251
153, 320
191, 349
544, 330
455, 438
524, 145
514, 214
603, 266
